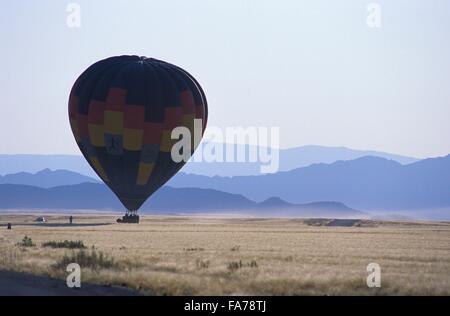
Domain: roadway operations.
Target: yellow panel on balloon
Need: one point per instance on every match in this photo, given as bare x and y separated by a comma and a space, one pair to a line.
145, 170
96, 135
132, 138
188, 121
113, 122
74, 126
167, 142
99, 168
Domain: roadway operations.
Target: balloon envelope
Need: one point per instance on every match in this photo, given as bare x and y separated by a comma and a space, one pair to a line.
122, 111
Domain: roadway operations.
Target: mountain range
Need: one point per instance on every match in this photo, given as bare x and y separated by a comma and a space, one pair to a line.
367, 183
370, 184
289, 159
46, 178
96, 196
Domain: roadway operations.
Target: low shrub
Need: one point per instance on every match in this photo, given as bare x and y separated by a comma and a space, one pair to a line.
69, 244
26, 242
236, 265
93, 259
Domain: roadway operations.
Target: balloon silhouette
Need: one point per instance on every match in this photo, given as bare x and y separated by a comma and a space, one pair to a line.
122, 111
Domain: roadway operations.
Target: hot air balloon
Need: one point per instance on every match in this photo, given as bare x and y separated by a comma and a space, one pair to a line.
122, 111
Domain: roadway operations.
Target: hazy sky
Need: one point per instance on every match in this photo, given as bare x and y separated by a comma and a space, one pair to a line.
313, 68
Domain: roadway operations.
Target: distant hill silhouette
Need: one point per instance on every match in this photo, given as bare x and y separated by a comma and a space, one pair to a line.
10, 164
95, 196
46, 178
289, 159
367, 183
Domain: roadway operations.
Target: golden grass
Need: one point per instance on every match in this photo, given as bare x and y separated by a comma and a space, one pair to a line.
228, 256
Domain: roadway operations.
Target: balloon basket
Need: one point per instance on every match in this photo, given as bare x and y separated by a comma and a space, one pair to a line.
130, 217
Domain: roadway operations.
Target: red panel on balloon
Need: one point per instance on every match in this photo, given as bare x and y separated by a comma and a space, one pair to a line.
172, 118
134, 116
187, 102
116, 99
96, 112
83, 129
152, 133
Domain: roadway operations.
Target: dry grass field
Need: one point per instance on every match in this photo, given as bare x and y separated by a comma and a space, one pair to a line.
230, 256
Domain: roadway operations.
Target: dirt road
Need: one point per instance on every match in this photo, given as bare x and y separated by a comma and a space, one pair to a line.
13, 284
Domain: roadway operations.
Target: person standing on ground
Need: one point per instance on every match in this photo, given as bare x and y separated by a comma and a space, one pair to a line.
71, 219
9, 226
